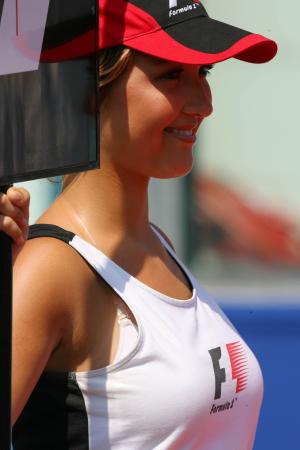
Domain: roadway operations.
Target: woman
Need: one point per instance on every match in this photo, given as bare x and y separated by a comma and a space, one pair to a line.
116, 345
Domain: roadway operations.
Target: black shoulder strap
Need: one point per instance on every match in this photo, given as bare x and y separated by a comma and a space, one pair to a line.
48, 230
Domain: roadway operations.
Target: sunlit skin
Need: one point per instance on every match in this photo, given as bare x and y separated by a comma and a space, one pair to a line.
149, 118
161, 99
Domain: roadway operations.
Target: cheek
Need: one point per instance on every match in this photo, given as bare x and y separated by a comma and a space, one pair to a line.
137, 115
150, 113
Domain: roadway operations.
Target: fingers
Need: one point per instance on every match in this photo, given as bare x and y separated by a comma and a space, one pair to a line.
14, 213
20, 197
14, 231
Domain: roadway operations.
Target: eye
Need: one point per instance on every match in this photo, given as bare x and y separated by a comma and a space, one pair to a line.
205, 70
173, 74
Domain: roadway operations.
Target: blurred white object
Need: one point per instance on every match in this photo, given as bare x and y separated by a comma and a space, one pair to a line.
22, 28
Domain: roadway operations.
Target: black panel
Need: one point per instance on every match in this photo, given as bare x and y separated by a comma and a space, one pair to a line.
48, 118
1, 9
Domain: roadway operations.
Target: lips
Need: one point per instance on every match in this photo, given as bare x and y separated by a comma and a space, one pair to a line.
184, 134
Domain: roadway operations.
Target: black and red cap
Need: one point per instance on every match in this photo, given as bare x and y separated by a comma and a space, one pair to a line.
176, 30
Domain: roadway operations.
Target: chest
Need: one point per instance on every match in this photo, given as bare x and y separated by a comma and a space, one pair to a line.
190, 373
197, 353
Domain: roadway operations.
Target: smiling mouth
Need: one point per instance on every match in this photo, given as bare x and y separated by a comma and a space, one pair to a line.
184, 135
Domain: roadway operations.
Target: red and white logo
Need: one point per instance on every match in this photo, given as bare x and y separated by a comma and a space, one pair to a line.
239, 367
237, 357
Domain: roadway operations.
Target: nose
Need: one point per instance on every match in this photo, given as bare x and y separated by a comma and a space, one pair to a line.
199, 98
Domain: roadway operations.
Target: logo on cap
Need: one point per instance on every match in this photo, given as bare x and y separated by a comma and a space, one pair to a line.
175, 10
174, 4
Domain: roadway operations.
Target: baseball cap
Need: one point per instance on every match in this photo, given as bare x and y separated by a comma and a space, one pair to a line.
175, 30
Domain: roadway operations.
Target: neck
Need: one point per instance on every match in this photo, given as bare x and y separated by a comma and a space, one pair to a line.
104, 201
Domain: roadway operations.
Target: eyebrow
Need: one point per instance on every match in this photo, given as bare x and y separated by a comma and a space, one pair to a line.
161, 62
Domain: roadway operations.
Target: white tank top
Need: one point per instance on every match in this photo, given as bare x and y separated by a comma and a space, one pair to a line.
187, 381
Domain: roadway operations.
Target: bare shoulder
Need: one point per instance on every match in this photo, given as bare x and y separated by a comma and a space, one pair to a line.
49, 268
163, 234
39, 280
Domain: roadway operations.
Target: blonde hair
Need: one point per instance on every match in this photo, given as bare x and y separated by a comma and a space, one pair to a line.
112, 62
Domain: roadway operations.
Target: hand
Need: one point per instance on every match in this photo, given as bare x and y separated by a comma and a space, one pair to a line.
14, 215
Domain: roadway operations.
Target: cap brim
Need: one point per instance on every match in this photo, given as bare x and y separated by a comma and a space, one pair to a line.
208, 41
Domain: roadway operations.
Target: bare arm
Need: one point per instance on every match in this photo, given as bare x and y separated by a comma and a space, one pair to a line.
39, 317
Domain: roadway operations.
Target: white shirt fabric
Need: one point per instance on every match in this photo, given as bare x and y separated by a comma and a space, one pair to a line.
185, 380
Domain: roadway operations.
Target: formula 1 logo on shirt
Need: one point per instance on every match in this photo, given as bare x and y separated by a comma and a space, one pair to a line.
239, 371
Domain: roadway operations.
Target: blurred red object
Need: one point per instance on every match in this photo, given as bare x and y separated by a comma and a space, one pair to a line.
248, 231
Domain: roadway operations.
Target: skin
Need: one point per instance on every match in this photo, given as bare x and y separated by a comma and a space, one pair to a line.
14, 215
67, 320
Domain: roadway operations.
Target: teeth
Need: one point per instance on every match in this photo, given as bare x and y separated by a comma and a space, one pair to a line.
182, 132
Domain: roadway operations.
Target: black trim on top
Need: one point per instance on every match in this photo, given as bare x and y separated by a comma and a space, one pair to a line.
56, 232
55, 416
49, 230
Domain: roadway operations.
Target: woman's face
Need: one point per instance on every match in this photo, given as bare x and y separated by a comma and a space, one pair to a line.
150, 116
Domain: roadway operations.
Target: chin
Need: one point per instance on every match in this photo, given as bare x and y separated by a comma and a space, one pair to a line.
172, 172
